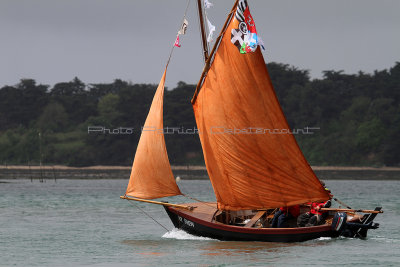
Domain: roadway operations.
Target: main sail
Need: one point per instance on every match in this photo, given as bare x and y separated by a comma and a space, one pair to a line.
252, 160
151, 175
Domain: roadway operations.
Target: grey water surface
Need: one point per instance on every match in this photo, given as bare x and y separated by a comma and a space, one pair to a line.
84, 223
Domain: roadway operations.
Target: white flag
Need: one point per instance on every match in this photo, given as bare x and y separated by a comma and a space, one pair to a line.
207, 4
183, 27
211, 30
261, 42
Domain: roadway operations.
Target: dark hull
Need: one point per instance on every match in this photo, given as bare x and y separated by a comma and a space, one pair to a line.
195, 224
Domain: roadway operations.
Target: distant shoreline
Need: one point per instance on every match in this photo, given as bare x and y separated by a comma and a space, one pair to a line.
185, 167
187, 172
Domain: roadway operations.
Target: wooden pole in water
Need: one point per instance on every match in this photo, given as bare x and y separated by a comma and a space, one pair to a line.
54, 173
40, 157
158, 203
30, 171
352, 210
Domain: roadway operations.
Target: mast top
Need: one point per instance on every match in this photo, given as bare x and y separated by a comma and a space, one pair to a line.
202, 30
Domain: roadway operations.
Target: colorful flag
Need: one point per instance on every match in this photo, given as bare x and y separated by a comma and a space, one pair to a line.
249, 38
183, 27
177, 41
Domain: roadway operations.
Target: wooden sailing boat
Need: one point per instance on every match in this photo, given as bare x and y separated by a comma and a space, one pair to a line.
252, 171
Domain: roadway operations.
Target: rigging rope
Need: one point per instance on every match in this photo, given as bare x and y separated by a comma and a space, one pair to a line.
149, 215
173, 46
340, 202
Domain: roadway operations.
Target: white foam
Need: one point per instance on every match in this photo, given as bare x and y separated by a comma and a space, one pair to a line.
324, 238
182, 235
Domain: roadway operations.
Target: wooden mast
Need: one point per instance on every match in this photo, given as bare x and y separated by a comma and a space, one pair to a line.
209, 59
202, 30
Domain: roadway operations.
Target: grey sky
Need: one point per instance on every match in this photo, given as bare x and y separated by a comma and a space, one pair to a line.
101, 40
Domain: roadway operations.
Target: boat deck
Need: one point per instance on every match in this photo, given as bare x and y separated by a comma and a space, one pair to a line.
208, 212
199, 221
204, 210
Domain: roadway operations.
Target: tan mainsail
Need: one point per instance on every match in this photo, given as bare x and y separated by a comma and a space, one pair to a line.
251, 160
151, 175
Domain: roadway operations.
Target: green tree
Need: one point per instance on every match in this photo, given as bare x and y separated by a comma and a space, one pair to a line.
54, 118
75, 99
108, 109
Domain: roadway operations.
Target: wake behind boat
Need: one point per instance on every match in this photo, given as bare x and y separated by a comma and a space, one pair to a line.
254, 175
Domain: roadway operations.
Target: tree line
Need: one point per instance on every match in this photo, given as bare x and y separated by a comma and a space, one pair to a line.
78, 124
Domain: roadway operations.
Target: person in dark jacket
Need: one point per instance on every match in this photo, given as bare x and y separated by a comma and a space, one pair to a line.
318, 216
284, 214
315, 216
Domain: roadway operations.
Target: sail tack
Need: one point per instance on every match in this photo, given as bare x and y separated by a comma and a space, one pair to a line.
151, 175
251, 160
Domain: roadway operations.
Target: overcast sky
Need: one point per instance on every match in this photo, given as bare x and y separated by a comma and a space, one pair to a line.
101, 40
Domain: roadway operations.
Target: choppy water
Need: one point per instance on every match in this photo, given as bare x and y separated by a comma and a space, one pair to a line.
83, 222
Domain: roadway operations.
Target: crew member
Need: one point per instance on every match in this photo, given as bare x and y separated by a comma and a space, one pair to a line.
284, 214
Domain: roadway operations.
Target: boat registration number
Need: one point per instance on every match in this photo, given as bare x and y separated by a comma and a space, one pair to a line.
185, 221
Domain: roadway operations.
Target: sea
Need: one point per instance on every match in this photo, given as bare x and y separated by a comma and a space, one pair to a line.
73, 222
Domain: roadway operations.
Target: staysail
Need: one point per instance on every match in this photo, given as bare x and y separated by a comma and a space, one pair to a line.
151, 175
252, 160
